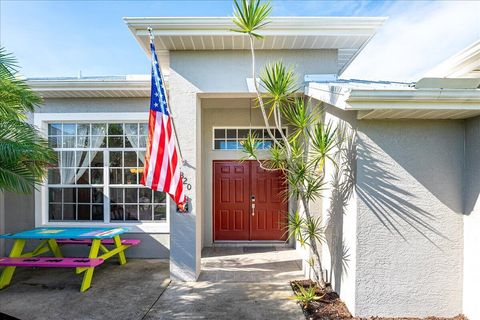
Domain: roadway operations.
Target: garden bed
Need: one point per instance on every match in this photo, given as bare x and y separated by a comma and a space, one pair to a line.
330, 307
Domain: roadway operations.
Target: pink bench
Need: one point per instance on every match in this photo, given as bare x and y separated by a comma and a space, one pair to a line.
49, 262
127, 242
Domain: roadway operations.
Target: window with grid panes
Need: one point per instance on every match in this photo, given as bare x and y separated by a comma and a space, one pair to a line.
97, 176
231, 138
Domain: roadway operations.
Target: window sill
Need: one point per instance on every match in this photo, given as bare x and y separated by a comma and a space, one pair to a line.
133, 227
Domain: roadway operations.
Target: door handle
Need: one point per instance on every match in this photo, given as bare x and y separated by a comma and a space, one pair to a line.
253, 205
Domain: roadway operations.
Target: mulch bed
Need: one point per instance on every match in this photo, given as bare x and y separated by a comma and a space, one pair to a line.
330, 307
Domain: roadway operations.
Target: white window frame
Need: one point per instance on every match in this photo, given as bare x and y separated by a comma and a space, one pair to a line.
41, 121
239, 128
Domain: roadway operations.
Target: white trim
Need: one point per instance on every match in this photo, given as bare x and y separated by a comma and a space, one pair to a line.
41, 120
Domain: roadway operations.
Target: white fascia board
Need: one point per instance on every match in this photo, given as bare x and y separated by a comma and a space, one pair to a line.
335, 95
346, 98
278, 25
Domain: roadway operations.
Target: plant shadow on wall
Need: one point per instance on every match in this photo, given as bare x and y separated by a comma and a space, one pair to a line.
378, 188
342, 186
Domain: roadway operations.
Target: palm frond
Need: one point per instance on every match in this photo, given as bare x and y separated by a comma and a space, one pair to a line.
251, 16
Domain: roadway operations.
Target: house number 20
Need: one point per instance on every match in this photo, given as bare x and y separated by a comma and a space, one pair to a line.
185, 181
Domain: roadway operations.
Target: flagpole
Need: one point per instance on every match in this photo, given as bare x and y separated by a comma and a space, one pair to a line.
173, 118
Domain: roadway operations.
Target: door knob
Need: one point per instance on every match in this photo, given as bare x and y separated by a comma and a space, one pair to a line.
253, 209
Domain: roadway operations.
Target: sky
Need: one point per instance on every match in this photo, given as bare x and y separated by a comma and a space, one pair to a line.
61, 38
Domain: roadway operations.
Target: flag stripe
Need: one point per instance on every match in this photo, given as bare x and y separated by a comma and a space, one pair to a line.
162, 167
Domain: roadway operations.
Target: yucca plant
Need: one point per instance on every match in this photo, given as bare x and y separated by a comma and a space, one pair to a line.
303, 153
306, 296
24, 154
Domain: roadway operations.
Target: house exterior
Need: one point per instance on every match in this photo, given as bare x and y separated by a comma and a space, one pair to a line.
401, 216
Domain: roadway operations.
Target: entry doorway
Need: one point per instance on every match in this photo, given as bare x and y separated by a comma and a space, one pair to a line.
248, 202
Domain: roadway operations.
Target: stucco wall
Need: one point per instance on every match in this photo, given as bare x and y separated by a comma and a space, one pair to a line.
472, 219
95, 105
20, 211
338, 208
226, 71
409, 255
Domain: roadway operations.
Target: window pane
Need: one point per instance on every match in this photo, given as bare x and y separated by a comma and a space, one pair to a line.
99, 129
97, 195
83, 212
83, 129
131, 212
116, 176
97, 212
69, 211
142, 143
242, 133
84, 195
277, 134
219, 133
131, 195
219, 144
115, 129
232, 133
115, 142
55, 129
130, 159
69, 195
96, 158
97, 176
83, 176
68, 142
143, 129
116, 212
55, 142
116, 195
116, 159
145, 195
130, 176
55, 212
53, 176
160, 213
69, 129
68, 159
82, 159
131, 129
98, 142
232, 145
159, 197
55, 195
145, 212
258, 133
67, 176
83, 142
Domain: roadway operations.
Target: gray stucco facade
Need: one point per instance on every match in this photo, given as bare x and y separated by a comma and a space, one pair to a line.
406, 230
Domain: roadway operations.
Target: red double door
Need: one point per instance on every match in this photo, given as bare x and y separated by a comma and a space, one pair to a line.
249, 202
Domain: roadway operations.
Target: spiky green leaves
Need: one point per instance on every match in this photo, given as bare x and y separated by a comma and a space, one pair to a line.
280, 82
251, 16
24, 155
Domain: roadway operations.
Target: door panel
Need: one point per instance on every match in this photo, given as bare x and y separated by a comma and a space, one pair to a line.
234, 185
271, 211
231, 200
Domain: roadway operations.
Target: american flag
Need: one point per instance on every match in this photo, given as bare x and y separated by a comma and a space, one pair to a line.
162, 165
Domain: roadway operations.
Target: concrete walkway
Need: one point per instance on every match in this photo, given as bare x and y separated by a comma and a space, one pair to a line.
236, 283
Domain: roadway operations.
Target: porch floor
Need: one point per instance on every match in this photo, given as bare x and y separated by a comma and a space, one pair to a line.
236, 283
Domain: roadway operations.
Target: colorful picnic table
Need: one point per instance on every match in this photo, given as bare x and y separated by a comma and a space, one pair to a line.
55, 237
